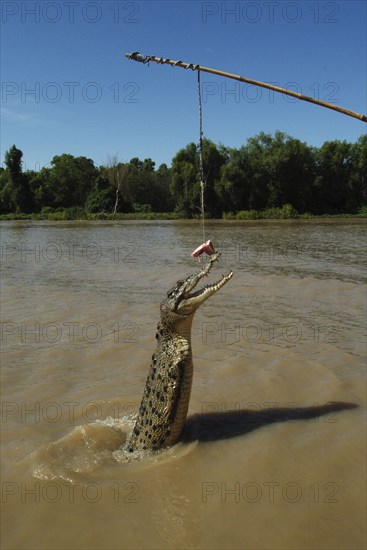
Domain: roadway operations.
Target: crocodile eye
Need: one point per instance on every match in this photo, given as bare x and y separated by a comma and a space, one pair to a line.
173, 291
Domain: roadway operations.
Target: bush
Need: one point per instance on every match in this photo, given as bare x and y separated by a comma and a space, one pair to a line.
248, 215
75, 213
46, 210
142, 208
228, 216
100, 201
362, 212
58, 216
288, 212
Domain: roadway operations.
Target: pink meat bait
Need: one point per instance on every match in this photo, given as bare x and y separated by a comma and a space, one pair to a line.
207, 247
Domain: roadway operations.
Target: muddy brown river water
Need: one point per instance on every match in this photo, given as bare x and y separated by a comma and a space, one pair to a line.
274, 450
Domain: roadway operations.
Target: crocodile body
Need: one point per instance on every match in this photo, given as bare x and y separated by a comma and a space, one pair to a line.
166, 397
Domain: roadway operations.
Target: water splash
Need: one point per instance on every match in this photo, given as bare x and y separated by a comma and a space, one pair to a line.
95, 450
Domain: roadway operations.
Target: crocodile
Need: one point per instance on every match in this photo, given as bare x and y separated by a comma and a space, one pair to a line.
165, 401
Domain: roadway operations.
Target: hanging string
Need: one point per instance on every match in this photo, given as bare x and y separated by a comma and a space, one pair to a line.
202, 180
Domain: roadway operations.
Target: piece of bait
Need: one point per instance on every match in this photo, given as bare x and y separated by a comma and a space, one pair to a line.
207, 247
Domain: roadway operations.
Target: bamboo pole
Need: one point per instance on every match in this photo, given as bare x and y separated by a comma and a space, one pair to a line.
136, 56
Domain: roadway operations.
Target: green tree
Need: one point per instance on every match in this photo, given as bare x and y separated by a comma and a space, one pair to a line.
70, 180
40, 188
234, 187
6, 193
185, 182
142, 191
333, 192
15, 193
258, 171
185, 187
214, 158
162, 186
103, 196
13, 162
144, 185
281, 171
358, 178
292, 171
148, 165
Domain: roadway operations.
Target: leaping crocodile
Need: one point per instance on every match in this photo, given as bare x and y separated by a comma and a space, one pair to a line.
166, 397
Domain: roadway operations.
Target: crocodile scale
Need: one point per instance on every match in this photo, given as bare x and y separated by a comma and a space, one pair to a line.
166, 397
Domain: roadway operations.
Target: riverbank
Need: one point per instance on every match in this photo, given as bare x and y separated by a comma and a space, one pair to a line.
287, 212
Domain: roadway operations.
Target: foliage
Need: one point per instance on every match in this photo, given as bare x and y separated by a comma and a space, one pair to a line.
248, 215
15, 193
287, 212
271, 176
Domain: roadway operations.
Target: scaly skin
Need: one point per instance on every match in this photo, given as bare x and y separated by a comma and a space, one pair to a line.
165, 402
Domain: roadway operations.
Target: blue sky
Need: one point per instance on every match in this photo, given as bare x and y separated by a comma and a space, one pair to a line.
68, 88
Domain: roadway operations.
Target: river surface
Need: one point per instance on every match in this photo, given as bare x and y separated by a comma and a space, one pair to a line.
273, 454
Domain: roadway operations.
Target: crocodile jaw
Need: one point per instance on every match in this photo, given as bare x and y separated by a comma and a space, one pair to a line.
188, 300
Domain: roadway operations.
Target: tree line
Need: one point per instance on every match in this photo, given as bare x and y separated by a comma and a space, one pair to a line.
268, 172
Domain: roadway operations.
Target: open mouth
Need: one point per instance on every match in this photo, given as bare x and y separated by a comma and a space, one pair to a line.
209, 289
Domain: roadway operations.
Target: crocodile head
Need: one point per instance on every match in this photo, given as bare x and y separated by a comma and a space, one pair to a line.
184, 300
